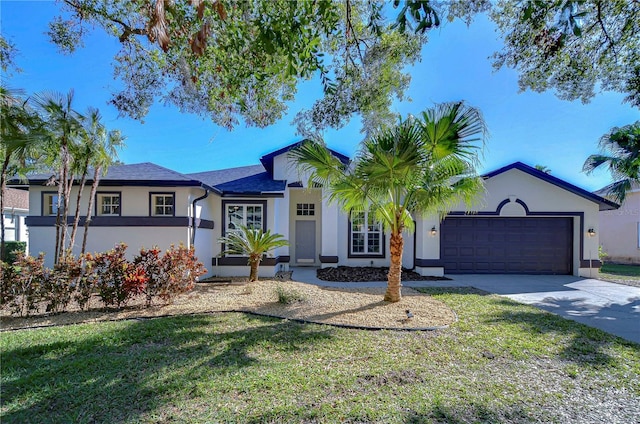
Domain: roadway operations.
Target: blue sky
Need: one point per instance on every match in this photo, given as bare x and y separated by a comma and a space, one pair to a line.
535, 128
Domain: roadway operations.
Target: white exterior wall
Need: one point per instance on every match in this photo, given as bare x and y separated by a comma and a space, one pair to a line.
620, 231
134, 203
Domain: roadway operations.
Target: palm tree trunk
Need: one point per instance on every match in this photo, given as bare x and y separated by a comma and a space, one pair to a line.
76, 217
253, 263
3, 188
87, 221
396, 245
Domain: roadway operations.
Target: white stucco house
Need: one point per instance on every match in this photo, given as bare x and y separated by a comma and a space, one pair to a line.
529, 221
620, 229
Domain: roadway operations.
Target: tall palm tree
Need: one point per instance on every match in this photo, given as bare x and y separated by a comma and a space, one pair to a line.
97, 149
63, 126
620, 152
253, 243
424, 165
104, 145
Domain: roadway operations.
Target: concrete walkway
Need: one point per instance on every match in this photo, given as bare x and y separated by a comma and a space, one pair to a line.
611, 307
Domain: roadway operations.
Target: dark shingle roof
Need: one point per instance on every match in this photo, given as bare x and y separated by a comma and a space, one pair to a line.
243, 180
146, 174
16, 199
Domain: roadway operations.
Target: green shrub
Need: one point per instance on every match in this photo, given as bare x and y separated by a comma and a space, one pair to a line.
11, 248
288, 296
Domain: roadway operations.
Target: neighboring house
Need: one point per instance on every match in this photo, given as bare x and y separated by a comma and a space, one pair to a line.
620, 229
528, 221
16, 209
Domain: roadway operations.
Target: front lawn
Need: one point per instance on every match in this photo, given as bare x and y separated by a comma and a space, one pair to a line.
501, 362
621, 271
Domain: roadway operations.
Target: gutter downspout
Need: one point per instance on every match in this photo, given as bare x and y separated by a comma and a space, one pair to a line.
193, 215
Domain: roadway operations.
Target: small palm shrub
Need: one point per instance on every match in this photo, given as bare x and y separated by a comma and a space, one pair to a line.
254, 243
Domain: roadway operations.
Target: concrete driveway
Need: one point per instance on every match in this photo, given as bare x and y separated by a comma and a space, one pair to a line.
614, 308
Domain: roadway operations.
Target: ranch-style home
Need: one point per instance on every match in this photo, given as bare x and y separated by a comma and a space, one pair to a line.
529, 222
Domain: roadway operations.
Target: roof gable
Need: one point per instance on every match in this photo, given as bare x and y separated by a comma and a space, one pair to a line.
267, 160
604, 204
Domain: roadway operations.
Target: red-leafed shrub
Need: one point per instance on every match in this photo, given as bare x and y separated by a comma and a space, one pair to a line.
59, 284
21, 286
86, 283
182, 268
170, 275
111, 270
27, 285
136, 281
151, 263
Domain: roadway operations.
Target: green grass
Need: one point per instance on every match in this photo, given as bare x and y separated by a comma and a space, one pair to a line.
631, 272
248, 369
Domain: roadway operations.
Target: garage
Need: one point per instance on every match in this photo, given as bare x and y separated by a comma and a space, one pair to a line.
507, 245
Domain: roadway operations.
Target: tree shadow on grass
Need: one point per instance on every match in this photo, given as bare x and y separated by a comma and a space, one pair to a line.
116, 372
583, 344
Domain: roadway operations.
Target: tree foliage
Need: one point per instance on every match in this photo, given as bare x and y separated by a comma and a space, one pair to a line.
575, 47
242, 60
423, 165
620, 153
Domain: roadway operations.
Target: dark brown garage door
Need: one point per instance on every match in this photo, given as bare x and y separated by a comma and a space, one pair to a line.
496, 245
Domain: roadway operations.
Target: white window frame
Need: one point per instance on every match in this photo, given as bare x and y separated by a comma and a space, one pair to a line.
368, 230
244, 207
154, 204
109, 195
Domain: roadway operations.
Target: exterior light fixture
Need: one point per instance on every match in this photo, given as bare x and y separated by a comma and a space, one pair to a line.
434, 231
591, 232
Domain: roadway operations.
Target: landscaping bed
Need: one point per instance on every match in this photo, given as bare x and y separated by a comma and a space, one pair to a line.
365, 273
362, 308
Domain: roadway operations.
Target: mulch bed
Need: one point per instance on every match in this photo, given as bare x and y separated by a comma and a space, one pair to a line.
355, 274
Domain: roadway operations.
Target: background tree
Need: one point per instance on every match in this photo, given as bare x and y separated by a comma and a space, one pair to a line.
620, 153
19, 137
424, 165
251, 242
242, 60
572, 47
543, 168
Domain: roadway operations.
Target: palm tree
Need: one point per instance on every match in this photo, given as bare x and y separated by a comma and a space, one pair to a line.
543, 168
620, 152
63, 125
104, 144
423, 165
19, 138
254, 243
96, 148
